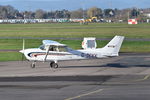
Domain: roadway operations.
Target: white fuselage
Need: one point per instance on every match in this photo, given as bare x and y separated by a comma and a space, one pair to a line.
38, 55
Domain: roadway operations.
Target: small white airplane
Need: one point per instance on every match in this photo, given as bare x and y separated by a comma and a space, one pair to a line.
52, 51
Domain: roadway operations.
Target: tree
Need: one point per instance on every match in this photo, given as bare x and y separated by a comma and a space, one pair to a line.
109, 12
3, 13
134, 13
8, 12
51, 14
12, 12
78, 13
94, 12
28, 15
58, 14
66, 13
40, 14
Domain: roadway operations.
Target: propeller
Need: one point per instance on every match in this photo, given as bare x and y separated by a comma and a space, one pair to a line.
22, 51
23, 46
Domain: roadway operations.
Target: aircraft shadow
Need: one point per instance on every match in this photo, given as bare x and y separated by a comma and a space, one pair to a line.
120, 65
115, 65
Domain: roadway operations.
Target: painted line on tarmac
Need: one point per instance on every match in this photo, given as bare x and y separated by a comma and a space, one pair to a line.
145, 78
86, 94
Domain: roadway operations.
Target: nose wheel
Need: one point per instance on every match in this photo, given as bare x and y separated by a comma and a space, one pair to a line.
53, 65
32, 65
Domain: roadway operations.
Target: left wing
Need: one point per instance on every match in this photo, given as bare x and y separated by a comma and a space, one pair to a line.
52, 43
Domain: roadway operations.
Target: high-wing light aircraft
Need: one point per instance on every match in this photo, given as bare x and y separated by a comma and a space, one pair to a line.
52, 51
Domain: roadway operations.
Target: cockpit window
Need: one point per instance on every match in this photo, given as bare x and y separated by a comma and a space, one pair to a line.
62, 49
91, 43
55, 48
52, 48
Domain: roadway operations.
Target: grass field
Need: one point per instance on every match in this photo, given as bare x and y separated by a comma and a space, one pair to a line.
71, 30
74, 30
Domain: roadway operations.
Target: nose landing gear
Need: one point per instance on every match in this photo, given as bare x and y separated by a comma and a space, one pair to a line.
33, 65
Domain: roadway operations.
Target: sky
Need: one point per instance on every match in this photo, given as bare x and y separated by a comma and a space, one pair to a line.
49, 5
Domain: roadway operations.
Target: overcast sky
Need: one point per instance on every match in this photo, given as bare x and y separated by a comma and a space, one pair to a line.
74, 4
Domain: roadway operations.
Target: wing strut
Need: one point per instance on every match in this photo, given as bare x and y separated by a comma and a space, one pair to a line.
47, 51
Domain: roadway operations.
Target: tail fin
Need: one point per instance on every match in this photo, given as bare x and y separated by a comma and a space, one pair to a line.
113, 47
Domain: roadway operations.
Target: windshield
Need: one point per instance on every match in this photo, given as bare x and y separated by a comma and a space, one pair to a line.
42, 47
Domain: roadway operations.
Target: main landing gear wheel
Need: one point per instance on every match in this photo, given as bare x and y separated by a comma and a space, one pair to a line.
53, 65
32, 65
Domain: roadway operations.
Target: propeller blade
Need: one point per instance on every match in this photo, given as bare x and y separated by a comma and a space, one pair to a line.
23, 45
22, 51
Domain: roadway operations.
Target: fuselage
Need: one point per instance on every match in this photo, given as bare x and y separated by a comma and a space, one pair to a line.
37, 54
54, 51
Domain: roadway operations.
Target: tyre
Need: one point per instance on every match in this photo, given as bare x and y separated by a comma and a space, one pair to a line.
33, 65
53, 65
